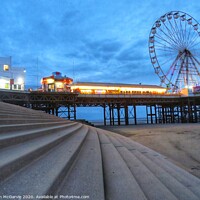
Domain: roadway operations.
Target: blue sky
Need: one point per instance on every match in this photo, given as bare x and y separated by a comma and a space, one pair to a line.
88, 40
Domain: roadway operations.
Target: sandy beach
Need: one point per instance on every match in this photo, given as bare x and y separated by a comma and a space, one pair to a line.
179, 142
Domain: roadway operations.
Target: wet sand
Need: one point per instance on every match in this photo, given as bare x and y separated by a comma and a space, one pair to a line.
179, 142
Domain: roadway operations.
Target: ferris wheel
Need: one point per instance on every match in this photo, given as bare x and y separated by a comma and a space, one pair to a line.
174, 48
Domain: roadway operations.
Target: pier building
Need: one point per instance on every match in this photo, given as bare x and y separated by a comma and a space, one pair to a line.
115, 88
58, 83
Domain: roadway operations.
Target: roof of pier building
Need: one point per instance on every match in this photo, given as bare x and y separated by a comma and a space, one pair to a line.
56, 76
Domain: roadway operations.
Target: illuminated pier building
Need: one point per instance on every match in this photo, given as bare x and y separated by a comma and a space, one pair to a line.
56, 83
59, 83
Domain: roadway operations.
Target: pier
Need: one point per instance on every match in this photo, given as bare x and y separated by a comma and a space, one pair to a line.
118, 109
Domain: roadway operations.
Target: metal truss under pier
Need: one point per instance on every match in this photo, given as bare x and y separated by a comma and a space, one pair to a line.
117, 109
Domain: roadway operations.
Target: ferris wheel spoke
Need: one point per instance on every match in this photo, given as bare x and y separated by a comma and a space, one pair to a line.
167, 56
178, 31
162, 39
175, 34
165, 52
188, 38
166, 61
193, 41
161, 48
197, 56
193, 46
182, 31
185, 33
195, 53
170, 43
192, 38
195, 50
165, 47
171, 35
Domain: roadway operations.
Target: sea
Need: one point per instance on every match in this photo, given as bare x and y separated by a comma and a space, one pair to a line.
95, 115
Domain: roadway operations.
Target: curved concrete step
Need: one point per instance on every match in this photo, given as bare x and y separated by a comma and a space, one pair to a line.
25, 120
17, 156
152, 187
119, 181
86, 178
12, 112
187, 179
171, 182
14, 128
8, 139
43, 177
29, 116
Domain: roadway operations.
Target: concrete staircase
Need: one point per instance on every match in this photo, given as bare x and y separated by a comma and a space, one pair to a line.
83, 121
41, 154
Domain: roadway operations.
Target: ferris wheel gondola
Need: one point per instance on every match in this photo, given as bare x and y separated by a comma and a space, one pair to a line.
174, 48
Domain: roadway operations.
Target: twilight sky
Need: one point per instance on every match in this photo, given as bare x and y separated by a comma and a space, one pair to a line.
88, 40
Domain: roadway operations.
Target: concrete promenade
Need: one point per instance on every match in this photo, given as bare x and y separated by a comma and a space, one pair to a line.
46, 157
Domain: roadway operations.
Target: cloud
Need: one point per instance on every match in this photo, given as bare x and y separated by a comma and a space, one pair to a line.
93, 40
70, 18
102, 50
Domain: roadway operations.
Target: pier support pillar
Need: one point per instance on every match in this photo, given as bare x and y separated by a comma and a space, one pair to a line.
151, 113
104, 114
126, 115
135, 114
118, 114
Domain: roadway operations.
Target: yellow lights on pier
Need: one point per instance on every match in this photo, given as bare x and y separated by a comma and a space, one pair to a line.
109, 88
58, 83
50, 80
